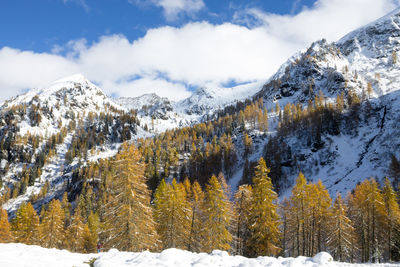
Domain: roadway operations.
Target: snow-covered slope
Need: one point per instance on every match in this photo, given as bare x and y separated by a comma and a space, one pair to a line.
148, 104
368, 54
77, 87
40, 128
207, 100
364, 57
73, 94
161, 114
372, 51
20, 255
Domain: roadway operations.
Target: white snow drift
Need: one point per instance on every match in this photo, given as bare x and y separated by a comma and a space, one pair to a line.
18, 255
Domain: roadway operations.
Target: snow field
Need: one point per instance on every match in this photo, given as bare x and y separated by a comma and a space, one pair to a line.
21, 255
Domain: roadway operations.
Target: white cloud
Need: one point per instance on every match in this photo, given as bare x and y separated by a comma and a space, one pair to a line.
167, 60
173, 91
174, 8
21, 70
330, 19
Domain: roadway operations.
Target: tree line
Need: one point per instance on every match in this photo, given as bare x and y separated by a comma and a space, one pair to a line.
363, 226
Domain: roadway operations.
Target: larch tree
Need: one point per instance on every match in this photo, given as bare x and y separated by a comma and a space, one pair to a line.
216, 217
52, 225
26, 226
264, 219
88, 240
188, 188
392, 218
243, 198
74, 233
128, 217
368, 214
94, 225
320, 203
197, 216
248, 144
299, 207
172, 213
66, 206
5, 229
341, 233
288, 228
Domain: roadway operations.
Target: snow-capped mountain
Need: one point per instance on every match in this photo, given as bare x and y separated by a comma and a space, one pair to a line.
366, 57
147, 105
368, 54
160, 113
42, 130
73, 94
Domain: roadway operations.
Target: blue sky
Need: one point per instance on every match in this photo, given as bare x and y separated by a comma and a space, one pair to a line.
40, 24
168, 47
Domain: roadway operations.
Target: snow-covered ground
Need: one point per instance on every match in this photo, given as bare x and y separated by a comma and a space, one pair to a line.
168, 114
20, 255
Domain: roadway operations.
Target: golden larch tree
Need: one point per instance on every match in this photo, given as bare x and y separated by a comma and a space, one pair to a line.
299, 207
128, 216
341, 233
26, 226
5, 228
172, 213
243, 198
264, 219
216, 217
197, 218
392, 217
368, 214
74, 233
52, 225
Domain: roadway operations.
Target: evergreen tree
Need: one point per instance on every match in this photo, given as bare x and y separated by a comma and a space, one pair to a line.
216, 216
264, 220
128, 218
25, 225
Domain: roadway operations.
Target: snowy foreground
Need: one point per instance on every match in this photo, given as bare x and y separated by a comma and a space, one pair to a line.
18, 255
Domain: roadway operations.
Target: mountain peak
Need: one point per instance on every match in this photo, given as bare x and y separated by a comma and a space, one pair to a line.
375, 39
75, 78
73, 90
